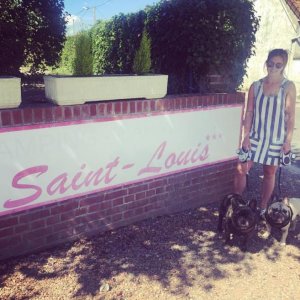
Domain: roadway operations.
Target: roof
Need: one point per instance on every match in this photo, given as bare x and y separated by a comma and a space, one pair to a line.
294, 6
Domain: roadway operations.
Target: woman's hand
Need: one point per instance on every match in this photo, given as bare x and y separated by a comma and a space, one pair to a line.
246, 143
286, 147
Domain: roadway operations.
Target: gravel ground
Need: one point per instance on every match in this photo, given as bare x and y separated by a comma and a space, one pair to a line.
178, 256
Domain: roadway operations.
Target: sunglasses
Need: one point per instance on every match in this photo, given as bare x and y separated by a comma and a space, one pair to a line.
271, 64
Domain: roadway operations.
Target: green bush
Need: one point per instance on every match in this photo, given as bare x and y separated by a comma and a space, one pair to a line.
115, 42
77, 58
66, 65
83, 59
189, 40
142, 59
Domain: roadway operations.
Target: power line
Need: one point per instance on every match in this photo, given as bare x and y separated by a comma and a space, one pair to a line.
86, 8
101, 4
95, 6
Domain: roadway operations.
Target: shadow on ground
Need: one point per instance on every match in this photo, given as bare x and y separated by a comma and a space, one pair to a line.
173, 250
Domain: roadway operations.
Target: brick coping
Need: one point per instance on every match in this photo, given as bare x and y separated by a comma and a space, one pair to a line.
95, 110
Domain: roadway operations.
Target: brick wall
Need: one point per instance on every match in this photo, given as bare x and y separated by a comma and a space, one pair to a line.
56, 223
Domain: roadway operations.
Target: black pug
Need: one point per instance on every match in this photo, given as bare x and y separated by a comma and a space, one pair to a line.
237, 217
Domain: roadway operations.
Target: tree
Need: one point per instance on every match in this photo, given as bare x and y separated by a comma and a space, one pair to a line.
142, 59
191, 38
32, 32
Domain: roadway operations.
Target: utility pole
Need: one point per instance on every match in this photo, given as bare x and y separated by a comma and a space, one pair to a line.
94, 9
94, 12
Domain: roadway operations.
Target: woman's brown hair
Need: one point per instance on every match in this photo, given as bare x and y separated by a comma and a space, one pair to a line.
279, 52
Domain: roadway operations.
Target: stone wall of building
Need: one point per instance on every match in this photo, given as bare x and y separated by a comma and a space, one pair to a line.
278, 26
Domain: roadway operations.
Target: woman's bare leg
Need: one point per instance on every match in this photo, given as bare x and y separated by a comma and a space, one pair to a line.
268, 184
240, 176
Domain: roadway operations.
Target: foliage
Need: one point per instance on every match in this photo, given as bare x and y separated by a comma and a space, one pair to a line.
32, 32
115, 42
76, 57
11, 26
66, 65
191, 38
83, 59
142, 59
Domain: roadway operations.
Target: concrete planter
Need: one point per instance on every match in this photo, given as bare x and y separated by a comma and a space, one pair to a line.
10, 92
67, 90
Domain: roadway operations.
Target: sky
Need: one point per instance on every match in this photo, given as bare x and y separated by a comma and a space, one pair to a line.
82, 12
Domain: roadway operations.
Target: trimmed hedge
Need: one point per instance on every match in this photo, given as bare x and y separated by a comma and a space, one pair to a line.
115, 43
190, 39
66, 65
83, 59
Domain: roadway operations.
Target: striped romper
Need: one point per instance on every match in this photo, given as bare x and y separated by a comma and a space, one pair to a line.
267, 132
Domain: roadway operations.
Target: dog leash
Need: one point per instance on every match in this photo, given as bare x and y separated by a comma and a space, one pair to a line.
247, 177
279, 181
291, 157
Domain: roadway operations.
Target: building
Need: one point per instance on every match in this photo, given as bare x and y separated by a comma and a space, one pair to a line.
279, 28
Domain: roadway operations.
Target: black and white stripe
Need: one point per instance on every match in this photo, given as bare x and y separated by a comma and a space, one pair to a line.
268, 127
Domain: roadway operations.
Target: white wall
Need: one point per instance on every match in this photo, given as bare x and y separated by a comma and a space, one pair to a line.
295, 75
277, 28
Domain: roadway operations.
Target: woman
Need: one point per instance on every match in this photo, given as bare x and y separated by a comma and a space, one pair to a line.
268, 124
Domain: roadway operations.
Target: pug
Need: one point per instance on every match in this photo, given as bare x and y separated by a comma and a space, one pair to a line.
237, 217
282, 214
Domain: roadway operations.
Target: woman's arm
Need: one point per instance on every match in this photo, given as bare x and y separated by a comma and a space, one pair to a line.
248, 118
290, 105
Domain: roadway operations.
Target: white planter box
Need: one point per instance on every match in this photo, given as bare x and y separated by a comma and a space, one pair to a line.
10, 92
66, 90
